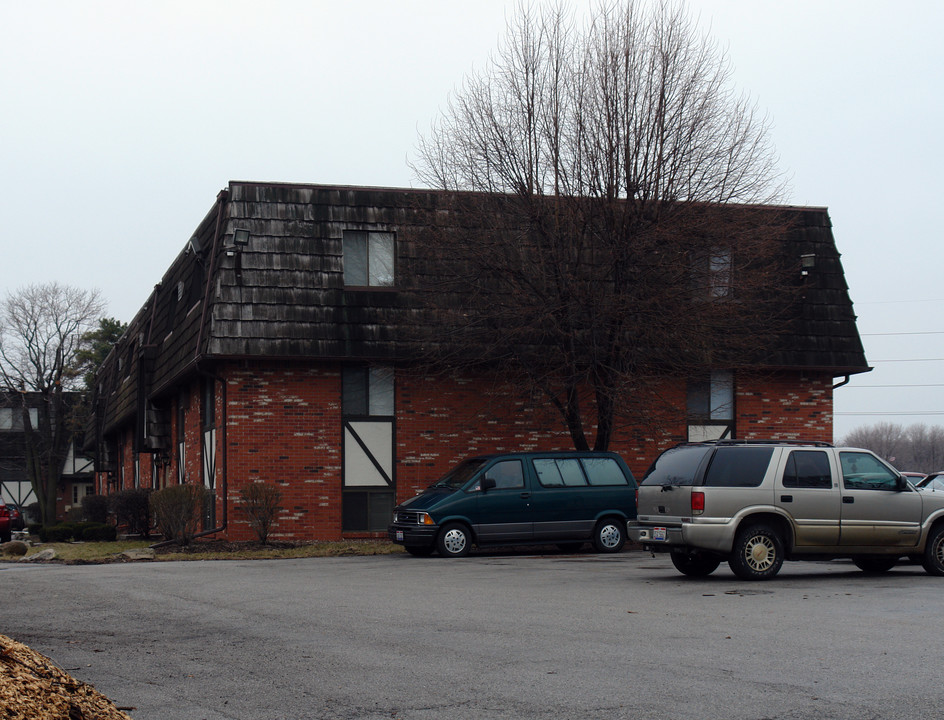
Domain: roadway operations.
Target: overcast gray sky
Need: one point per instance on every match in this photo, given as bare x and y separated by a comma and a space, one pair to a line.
120, 121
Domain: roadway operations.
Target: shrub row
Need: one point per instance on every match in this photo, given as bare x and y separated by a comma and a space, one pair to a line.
176, 510
84, 531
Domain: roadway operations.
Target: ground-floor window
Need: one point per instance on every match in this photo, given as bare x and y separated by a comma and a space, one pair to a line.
367, 510
368, 407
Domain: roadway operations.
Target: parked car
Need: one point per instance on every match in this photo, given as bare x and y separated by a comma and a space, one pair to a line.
914, 477
934, 481
756, 504
6, 521
17, 521
520, 499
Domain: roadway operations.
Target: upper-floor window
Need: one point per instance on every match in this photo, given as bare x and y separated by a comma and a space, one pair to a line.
12, 418
367, 391
712, 398
711, 273
368, 258
208, 403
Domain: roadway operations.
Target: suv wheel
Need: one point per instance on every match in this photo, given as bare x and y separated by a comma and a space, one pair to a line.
454, 540
609, 535
757, 553
695, 564
875, 565
933, 559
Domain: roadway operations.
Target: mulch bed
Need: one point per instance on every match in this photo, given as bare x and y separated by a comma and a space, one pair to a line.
33, 687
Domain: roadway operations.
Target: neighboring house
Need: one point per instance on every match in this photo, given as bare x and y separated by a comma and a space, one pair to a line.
270, 351
77, 477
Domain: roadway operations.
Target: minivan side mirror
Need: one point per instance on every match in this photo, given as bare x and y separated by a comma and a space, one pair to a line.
488, 483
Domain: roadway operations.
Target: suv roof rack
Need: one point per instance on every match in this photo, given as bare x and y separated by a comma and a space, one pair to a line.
735, 441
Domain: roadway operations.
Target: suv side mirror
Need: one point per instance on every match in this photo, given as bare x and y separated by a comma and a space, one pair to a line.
488, 483
901, 484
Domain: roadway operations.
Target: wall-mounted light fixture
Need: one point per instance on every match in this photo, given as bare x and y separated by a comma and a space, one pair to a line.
807, 262
241, 236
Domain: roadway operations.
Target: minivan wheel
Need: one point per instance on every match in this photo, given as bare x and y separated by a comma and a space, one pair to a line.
454, 540
875, 566
933, 560
757, 553
695, 564
609, 535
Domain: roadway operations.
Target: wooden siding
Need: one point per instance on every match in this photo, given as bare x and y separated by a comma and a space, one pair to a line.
282, 295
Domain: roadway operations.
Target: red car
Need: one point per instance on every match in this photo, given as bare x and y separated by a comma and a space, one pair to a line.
6, 522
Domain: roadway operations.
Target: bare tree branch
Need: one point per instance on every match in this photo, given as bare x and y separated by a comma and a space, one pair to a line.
41, 332
583, 250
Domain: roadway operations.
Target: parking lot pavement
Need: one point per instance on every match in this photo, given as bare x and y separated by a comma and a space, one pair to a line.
495, 635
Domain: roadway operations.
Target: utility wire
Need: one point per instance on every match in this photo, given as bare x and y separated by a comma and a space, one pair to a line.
895, 386
890, 334
920, 412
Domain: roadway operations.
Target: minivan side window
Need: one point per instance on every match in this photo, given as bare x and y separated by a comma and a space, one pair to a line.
807, 469
603, 471
506, 474
559, 472
738, 467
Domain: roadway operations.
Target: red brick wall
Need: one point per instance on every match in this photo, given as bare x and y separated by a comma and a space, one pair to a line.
786, 406
283, 426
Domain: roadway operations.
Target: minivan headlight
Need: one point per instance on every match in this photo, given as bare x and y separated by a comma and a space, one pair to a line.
425, 519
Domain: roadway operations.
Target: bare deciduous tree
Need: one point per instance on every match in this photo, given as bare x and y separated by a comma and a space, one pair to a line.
583, 250
914, 448
41, 330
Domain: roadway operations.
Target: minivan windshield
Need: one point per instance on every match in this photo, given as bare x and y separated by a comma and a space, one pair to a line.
676, 466
460, 474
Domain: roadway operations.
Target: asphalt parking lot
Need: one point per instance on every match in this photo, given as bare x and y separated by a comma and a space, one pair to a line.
491, 636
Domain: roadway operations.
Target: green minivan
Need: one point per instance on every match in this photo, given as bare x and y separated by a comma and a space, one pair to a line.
562, 498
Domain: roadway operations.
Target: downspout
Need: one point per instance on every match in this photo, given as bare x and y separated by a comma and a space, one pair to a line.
844, 382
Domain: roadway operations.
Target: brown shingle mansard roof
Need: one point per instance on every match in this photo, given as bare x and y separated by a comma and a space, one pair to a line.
282, 295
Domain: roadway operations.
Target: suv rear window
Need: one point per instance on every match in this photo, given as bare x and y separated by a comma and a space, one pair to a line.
676, 466
738, 466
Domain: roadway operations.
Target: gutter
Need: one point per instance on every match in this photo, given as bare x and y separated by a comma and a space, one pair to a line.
844, 382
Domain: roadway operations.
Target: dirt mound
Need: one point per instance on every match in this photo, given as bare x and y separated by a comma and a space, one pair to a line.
32, 687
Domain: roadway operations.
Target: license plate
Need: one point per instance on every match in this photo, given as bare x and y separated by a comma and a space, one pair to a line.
399, 534
658, 534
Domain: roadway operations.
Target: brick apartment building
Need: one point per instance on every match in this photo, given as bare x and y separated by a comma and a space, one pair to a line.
75, 476
261, 356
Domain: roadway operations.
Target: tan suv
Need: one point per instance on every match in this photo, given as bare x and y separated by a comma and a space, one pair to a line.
758, 503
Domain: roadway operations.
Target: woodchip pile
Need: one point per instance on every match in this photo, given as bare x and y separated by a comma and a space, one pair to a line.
32, 687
